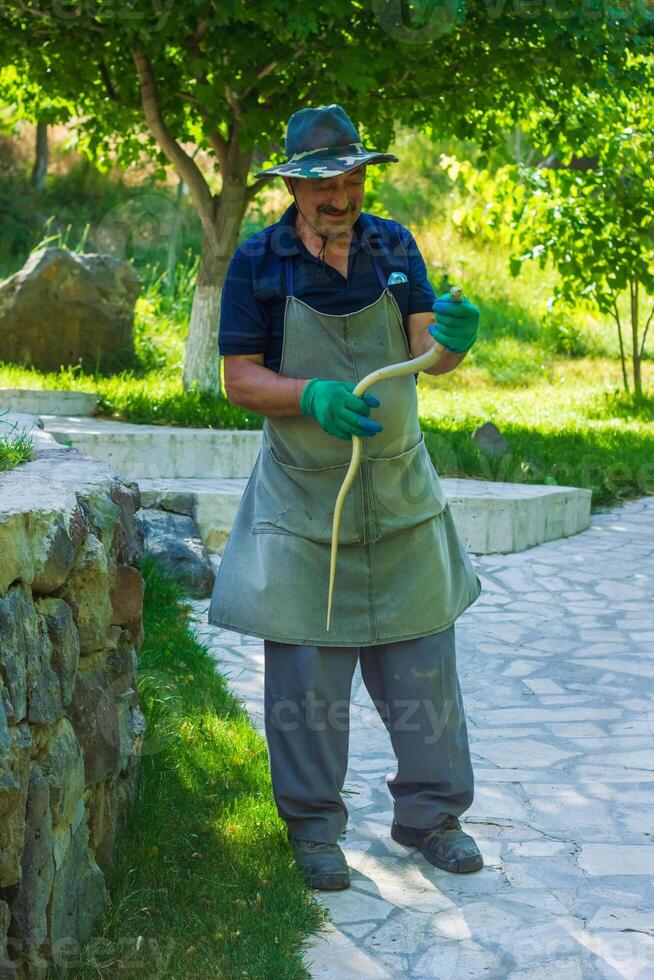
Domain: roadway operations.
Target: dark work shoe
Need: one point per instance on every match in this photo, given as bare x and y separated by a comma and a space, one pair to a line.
445, 845
323, 865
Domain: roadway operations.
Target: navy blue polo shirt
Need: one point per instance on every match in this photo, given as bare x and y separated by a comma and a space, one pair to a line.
254, 294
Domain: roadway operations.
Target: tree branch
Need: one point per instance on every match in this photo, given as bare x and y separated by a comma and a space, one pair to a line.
271, 67
649, 320
253, 189
217, 141
220, 147
262, 74
106, 78
185, 166
233, 103
194, 40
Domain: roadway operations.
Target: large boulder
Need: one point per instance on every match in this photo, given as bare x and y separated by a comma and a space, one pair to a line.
63, 308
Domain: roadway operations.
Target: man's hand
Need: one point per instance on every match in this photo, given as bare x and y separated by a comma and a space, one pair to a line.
456, 324
337, 410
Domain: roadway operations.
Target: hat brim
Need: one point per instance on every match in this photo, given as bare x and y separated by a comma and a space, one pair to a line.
326, 166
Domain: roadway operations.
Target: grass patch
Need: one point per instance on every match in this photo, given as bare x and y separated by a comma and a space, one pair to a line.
15, 448
564, 429
154, 397
204, 875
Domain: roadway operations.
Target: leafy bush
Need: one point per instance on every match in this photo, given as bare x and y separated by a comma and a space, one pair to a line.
565, 337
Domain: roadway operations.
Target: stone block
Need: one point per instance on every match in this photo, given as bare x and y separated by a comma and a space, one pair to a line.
175, 541
14, 781
62, 631
17, 559
87, 593
109, 804
35, 524
79, 896
25, 660
28, 909
128, 538
63, 764
56, 556
7, 967
127, 596
103, 515
103, 711
78, 527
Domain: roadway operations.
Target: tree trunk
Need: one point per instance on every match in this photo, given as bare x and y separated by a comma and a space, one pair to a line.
40, 167
635, 350
623, 363
201, 359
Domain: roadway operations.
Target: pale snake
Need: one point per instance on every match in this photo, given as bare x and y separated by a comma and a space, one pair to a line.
398, 370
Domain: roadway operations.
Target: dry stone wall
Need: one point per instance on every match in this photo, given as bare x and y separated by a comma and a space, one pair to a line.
71, 603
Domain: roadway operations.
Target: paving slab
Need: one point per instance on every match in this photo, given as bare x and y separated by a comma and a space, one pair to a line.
564, 802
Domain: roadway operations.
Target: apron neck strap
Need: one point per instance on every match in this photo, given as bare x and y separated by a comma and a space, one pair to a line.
288, 273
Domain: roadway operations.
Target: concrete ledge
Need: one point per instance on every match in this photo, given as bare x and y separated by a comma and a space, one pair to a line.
154, 451
209, 468
38, 401
490, 517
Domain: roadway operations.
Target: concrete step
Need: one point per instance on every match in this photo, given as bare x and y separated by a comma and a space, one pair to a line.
155, 451
203, 472
490, 517
38, 401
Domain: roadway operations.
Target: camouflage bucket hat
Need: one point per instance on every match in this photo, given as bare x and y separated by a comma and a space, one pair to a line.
323, 142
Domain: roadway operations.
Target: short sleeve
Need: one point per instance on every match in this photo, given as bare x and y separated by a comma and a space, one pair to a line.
244, 322
421, 294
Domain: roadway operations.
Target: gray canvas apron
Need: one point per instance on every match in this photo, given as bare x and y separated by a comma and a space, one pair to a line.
402, 570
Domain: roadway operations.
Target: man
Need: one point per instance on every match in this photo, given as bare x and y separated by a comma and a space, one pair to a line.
310, 306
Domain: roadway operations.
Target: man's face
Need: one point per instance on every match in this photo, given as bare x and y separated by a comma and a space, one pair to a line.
331, 205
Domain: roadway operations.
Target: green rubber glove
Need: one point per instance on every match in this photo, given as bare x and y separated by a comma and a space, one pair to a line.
337, 410
457, 323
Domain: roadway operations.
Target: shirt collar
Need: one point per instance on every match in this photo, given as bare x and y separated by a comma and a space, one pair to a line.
365, 231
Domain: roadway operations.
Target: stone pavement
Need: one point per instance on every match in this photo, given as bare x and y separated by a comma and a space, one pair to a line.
557, 674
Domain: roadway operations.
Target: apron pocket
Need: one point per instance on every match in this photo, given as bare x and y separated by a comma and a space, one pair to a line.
406, 490
301, 501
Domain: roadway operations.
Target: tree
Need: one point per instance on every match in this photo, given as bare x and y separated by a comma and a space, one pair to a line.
588, 206
597, 226
169, 77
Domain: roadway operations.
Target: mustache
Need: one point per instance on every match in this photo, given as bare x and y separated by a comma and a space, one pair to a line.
327, 209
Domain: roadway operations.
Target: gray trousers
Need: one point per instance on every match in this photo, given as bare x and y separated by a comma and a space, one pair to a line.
415, 689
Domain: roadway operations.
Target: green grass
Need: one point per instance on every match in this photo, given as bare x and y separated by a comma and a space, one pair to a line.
205, 874
15, 448
553, 437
